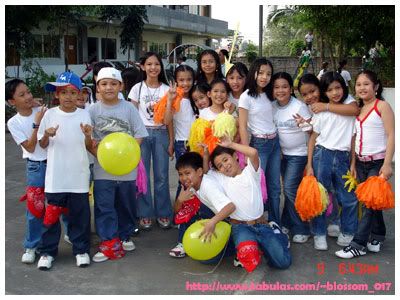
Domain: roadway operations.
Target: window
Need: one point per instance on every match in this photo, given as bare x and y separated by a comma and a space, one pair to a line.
109, 52
45, 45
160, 48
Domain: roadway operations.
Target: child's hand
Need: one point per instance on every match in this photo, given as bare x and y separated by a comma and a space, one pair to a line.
229, 106
318, 107
39, 115
37, 102
172, 91
386, 171
299, 119
205, 148
50, 132
225, 141
185, 194
171, 150
87, 130
208, 231
309, 171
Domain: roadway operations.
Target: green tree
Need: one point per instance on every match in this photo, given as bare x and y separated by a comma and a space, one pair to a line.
251, 52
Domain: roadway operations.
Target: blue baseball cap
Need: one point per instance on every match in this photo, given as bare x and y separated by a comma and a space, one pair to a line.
64, 79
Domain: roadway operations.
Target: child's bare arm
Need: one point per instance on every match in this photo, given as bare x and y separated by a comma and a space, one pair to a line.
243, 117
350, 109
30, 144
49, 132
310, 152
248, 151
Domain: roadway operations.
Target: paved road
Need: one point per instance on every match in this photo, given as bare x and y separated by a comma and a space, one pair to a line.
149, 269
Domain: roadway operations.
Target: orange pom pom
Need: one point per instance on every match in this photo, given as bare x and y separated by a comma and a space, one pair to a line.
308, 201
210, 140
161, 106
376, 193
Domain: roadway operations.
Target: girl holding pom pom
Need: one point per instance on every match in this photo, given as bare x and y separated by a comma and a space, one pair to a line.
219, 96
374, 149
329, 158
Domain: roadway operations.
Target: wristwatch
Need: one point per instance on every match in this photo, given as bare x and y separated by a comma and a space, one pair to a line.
35, 125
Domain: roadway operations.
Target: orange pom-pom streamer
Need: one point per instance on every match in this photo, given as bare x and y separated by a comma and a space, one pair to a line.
210, 140
376, 193
308, 202
161, 106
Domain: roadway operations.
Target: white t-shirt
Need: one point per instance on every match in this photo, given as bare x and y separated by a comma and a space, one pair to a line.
236, 102
212, 194
21, 130
346, 76
148, 98
292, 139
183, 120
208, 114
244, 190
260, 113
67, 160
335, 131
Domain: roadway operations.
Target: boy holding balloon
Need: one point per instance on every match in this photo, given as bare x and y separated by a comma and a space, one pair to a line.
114, 194
66, 133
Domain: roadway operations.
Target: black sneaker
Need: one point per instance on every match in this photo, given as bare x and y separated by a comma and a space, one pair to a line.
237, 263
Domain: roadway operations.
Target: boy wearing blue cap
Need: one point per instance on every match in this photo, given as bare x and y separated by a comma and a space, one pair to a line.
66, 133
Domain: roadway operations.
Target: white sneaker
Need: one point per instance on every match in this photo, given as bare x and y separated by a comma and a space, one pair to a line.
344, 239
82, 260
66, 239
300, 238
177, 251
128, 245
320, 242
45, 262
333, 230
99, 257
237, 263
374, 246
349, 252
29, 256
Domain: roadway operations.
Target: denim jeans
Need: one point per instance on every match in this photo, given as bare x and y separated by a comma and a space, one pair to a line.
269, 152
155, 147
372, 222
273, 245
329, 167
292, 168
180, 149
35, 176
78, 224
114, 208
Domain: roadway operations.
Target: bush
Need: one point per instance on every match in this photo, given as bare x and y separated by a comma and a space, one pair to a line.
36, 78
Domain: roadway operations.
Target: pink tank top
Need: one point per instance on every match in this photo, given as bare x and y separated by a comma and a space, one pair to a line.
371, 137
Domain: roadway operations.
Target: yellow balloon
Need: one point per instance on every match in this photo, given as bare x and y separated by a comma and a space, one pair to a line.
118, 153
199, 250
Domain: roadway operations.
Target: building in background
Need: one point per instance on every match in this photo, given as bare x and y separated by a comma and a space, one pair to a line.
168, 26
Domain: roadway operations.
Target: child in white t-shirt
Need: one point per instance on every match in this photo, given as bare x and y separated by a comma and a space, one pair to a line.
329, 158
293, 143
236, 79
199, 96
66, 133
251, 233
23, 128
219, 100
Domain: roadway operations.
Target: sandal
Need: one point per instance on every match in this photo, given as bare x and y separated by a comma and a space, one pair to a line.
164, 222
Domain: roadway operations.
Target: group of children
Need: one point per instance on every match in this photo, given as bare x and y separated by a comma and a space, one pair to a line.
279, 134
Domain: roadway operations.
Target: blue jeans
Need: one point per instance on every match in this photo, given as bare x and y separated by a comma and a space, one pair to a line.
155, 147
292, 168
372, 222
114, 208
180, 149
78, 224
269, 152
273, 245
329, 167
35, 176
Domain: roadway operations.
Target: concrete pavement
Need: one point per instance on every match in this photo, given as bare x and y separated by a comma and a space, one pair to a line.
150, 270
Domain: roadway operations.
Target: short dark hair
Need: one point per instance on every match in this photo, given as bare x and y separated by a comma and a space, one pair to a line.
225, 53
218, 151
100, 65
130, 77
189, 159
11, 86
275, 77
329, 77
309, 79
